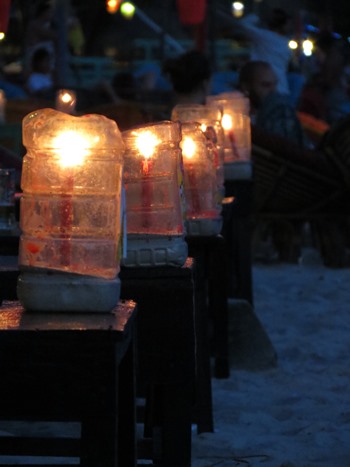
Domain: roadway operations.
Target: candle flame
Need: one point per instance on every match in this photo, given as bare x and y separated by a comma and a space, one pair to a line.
226, 122
188, 147
71, 147
66, 97
203, 127
146, 142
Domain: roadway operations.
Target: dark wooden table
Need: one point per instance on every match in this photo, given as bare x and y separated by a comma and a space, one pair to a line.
166, 349
70, 367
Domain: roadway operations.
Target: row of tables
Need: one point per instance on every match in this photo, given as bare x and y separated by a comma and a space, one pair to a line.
157, 347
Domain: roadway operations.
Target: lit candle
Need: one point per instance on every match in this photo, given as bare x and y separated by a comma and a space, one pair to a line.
227, 125
71, 149
146, 143
209, 118
189, 149
66, 101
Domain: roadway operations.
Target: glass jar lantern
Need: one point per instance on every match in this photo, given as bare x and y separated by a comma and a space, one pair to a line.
154, 199
70, 213
236, 125
203, 200
210, 121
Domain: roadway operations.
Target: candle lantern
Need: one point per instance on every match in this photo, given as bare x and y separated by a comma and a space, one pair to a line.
66, 101
153, 187
70, 213
210, 121
203, 213
236, 125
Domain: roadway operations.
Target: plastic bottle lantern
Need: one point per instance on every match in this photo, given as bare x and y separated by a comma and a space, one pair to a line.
70, 212
201, 192
66, 101
236, 124
210, 121
153, 185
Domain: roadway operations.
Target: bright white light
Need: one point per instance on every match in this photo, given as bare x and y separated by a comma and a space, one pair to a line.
237, 9
71, 147
308, 47
2, 36
226, 122
146, 143
188, 147
293, 44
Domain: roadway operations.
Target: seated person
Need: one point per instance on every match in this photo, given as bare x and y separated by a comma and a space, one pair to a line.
190, 76
40, 82
271, 111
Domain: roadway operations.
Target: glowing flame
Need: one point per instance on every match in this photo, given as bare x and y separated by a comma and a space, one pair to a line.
66, 97
188, 147
203, 127
146, 142
226, 122
71, 147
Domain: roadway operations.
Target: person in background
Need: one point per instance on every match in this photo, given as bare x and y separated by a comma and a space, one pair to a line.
190, 76
326, 93
271, 111
40, 82
40, 34
269, 44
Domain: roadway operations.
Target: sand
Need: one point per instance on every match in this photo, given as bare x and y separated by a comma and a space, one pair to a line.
297, 414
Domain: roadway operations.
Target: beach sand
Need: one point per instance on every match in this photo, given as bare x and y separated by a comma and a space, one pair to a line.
298, 413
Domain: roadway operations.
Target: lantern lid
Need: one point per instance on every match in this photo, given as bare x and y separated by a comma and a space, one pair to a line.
233, 100
196, 112
165, 130
41, 127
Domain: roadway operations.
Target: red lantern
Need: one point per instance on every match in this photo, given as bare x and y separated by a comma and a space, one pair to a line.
192, 12
112, 6
4, 15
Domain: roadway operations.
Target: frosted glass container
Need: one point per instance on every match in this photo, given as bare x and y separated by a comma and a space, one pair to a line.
240, 102
210, 121
153, 180
155, 209
236, 125
71, 182
203, 201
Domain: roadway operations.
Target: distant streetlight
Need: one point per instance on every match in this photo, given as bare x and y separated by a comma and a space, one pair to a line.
293, 44
308, 47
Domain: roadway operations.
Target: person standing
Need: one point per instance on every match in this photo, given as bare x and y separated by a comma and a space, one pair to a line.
270, 44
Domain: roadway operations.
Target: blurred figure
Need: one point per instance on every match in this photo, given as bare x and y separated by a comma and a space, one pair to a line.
40, 33
40, 82
76, 38
271, 111
190, 76
270, 44
326, 94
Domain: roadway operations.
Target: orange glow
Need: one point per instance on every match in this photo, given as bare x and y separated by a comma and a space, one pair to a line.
112, 6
